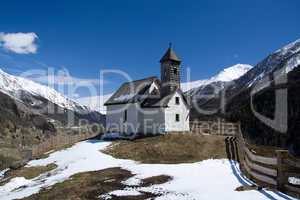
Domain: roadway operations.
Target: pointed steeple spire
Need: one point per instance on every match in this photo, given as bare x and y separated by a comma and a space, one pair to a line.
170, 55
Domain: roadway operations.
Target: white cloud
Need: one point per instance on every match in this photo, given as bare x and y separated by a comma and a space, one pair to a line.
21, 43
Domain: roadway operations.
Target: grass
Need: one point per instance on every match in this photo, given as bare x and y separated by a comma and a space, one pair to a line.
91, 185
155, 180
8, 155
6, 161
27, 172
30, 172
172, 148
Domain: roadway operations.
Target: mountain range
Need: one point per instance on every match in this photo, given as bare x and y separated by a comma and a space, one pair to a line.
30, 112
226, 75
266, 101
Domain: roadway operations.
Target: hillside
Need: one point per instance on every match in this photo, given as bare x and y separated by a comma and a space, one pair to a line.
31, 113
226, 75
205, 94
285, 61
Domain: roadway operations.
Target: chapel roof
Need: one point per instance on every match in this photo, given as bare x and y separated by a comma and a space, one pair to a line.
145, 91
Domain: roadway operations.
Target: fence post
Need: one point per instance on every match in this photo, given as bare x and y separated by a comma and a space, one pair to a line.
281, 154
241, 145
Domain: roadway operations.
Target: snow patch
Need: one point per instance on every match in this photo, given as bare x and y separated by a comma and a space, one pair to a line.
153, 87
125, 192
2, 173
258, 78
209, 179
289, 48
14, 184
292, 63
294, 180
133, 181
124, 97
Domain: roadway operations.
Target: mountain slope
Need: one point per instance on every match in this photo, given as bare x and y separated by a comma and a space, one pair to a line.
226, 75
205, 95
45, 101
95, 102
31, 113
14, 86
285, 61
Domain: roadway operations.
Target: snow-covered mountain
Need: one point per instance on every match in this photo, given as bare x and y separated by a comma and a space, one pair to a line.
17, 87
30, 113
34, 99
95, 102
285, 59
251, 94
226, 75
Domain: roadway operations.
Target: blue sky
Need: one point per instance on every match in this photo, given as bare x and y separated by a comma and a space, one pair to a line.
131, 35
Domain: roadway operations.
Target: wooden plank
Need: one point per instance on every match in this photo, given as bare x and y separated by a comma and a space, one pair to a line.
261, 159
292, 163
260, 177
292, 188
292, 174
261, 169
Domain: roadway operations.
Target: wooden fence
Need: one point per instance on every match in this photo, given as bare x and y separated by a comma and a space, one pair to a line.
281, 171
59, 141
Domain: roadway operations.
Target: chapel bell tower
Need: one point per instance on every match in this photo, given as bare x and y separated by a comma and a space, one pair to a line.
170, 72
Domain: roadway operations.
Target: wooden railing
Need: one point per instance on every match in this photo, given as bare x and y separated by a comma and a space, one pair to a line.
277, 172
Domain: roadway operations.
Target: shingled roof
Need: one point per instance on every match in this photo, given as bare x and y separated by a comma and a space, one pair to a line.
146, 91
162, 101
134, 91
170, 55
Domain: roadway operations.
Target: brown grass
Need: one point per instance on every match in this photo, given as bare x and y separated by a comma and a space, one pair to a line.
172, 148
27, 172
155, 180
90, 185
247, 188
31, 172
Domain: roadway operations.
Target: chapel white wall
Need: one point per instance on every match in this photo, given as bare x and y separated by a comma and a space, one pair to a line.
152, 121
170, 113
115, 118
